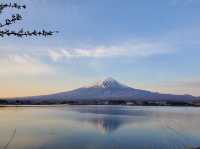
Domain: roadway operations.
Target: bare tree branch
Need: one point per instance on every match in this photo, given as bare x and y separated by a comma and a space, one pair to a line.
11, 139
23, 33
10, 5
14, 19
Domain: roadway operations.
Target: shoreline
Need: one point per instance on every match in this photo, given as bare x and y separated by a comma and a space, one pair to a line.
64, 105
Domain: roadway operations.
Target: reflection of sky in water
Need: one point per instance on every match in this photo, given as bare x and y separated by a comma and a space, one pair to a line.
100, 127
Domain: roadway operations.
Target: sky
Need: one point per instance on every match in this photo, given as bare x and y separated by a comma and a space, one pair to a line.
153, 45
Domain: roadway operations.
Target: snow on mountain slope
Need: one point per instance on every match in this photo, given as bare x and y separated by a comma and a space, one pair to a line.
107, 83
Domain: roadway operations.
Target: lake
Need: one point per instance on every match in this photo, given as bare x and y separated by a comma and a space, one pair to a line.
99, 127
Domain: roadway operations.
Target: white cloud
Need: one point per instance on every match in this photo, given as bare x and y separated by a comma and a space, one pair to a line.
181, 2
55, 55
131, 49
15, 64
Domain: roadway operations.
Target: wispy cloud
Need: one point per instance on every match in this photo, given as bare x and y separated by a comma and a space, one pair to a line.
181, 2
16, 64
130, 49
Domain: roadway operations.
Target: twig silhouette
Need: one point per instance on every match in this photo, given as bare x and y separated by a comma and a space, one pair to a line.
5, 31
10, 140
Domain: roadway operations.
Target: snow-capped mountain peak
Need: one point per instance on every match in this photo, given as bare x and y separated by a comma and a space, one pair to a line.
108, 83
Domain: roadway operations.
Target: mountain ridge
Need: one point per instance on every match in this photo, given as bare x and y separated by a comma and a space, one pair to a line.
109, 89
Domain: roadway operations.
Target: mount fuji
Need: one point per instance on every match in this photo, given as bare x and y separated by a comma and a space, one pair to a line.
109, 89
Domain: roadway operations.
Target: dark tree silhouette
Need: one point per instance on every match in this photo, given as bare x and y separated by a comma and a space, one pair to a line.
4, 31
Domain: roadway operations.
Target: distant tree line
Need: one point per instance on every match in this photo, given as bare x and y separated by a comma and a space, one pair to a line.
24, 101
4, 26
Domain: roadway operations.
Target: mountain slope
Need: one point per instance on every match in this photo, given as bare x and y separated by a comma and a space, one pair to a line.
110, 89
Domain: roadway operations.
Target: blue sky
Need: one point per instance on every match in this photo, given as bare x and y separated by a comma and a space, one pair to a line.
152, 45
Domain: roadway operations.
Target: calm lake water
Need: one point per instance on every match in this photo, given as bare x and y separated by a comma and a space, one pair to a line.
99, 127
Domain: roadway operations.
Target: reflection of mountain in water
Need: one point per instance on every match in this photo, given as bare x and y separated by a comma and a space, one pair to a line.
109, 124
109, 119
